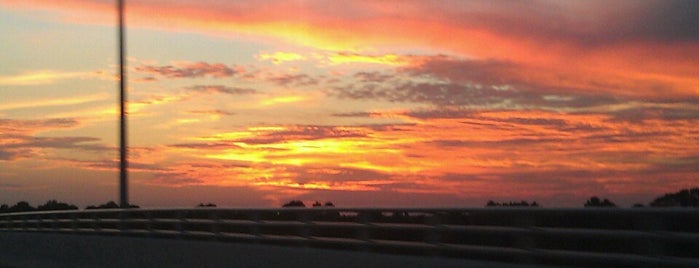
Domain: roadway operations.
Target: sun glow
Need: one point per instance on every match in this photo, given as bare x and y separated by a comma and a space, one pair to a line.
282, 100
42, 77
281, 57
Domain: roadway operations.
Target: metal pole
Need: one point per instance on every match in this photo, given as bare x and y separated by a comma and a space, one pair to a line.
123, 191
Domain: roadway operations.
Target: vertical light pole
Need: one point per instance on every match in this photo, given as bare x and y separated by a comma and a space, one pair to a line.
123, 182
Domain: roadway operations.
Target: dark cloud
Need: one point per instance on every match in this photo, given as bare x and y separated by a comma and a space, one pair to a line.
221, 89
10, 185
520, 84
298, 80
662, 20
640, 114
486, 72
22, 142
688, 164
174, 179
608, 23
188, 70
113, 165
59, 142
501, 143
15, 154
626, 136
441, 113
207, 145
460, 82
8, 126
532, 121
30, 146
356, 114
376, 77
304, 133
438, 93
213, 112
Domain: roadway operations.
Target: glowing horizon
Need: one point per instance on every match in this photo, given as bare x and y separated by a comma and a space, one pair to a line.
413, 103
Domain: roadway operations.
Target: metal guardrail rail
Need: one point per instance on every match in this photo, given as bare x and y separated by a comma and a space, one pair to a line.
644, 237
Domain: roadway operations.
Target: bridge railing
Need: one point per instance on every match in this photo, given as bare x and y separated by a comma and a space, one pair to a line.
586, 237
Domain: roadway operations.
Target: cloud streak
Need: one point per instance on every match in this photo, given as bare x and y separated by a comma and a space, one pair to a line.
188, 70
18, 139
449, 101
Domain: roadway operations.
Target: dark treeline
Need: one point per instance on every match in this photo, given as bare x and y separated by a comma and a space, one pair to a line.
207, 205
24, 206
110, 205
597, 202
492, 203
682, 198
300, 204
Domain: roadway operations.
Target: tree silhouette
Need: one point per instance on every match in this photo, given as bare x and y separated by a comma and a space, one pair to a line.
317, 204
683, 198
110, 205
329, 204
294, 203
55, 205
492, 203
597, 202
210, 205
21, 206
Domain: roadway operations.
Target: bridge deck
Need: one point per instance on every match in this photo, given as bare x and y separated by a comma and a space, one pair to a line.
65, 250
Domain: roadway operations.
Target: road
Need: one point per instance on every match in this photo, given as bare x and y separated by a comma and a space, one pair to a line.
63, 250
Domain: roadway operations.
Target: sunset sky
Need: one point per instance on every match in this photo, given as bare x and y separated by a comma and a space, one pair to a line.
362, 103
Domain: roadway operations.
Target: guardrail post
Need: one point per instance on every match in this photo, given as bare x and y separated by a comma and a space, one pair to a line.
527, 241
255, 228
650, 247
96, 224
363, 233
305, 231
434, 235
121, 224
181, 221
54, 222
434, 221
149, 223
74, 222
216, 226
39, 223
23, 225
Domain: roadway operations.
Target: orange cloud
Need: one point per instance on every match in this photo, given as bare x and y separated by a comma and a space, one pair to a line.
280, 57
541, 97
42, 77
387, 59
282, 100
611, 49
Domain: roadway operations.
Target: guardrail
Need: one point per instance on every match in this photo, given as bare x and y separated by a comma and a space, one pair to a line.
644, 237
